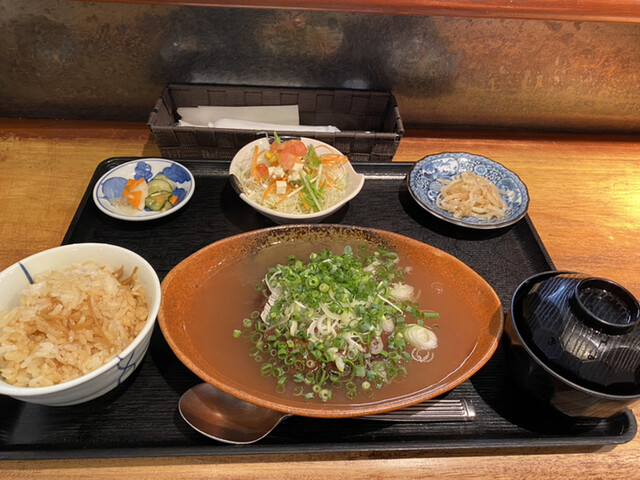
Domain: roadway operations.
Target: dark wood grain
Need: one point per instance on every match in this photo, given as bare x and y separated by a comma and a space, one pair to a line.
573, 10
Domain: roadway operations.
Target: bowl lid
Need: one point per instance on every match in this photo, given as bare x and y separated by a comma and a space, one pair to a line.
586, 329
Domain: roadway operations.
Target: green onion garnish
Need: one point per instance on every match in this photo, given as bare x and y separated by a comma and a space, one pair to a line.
338, 322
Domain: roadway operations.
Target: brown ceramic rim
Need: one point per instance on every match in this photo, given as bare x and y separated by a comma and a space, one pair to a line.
246, 243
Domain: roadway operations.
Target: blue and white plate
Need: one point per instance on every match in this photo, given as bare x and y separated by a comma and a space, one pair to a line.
110, 186
426, 176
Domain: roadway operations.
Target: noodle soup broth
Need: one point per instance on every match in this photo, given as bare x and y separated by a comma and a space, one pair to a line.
223, 298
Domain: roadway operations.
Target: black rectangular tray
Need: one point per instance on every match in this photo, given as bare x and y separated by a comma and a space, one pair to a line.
140, 417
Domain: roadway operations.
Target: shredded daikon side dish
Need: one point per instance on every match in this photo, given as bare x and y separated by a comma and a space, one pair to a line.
471, 195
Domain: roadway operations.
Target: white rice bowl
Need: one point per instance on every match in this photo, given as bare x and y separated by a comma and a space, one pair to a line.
105, 376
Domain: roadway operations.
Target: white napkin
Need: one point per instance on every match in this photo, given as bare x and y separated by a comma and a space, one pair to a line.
270, 127
203, 115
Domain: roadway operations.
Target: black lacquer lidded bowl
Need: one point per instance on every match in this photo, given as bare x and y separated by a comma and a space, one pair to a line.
574, 342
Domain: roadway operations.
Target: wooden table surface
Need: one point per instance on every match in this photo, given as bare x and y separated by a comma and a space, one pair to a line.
585, 204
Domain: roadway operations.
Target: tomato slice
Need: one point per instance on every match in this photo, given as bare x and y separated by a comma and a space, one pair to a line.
262, 169
287, 160
296, 147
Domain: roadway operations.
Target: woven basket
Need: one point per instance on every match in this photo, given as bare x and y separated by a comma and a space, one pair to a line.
369, 122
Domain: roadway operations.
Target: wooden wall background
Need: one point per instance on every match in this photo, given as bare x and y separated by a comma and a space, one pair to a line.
77, 60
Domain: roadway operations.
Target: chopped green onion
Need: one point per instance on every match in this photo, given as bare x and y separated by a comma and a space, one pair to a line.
332, 319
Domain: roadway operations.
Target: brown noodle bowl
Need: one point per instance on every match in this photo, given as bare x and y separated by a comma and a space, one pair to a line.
470, 195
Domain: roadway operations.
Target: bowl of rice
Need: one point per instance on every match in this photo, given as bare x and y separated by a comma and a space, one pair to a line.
75, 322
294, 180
